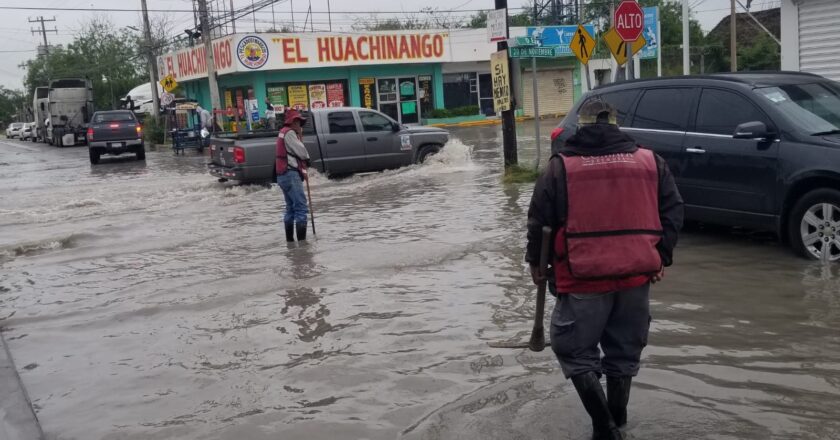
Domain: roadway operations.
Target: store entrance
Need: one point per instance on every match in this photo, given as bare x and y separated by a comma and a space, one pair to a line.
398, 98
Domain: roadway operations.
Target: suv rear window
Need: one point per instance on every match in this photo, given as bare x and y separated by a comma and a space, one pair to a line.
100, 118
663, 109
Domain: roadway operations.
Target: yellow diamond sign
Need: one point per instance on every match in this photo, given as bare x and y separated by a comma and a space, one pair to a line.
168, 82
617, 46
582, 44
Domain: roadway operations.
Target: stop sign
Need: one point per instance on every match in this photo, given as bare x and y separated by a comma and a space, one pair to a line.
629, 20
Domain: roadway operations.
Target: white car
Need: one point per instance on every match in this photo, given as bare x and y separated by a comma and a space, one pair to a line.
27, 131
14, 130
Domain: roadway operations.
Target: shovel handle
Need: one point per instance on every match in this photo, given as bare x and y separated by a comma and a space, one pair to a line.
537, 342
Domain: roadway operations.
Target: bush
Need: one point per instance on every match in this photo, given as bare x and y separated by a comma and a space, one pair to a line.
440, 113
520, 174
153, 131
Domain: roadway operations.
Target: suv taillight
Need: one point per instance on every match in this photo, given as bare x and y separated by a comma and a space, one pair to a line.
238, 154
90, 133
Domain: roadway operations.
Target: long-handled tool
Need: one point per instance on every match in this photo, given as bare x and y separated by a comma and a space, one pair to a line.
311, 209
537, 342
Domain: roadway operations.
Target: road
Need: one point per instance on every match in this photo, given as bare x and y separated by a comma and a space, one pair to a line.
144, 300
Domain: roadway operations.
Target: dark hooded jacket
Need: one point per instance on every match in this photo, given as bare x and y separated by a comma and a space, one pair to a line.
548, 204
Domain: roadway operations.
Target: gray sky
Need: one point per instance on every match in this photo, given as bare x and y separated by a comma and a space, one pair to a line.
17, 43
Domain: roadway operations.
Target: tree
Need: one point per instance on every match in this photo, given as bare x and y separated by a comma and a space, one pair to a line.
111, 58
763, 54
11, 103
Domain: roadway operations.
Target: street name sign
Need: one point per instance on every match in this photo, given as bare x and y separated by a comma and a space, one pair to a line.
535, 52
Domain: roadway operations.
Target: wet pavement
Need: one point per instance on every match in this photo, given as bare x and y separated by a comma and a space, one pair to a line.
147, 301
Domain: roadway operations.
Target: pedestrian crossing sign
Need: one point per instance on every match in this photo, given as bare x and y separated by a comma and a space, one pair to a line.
619, 49
168, 82
582, 44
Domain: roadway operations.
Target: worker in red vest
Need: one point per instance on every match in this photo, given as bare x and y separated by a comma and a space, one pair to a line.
616, 213
290, 163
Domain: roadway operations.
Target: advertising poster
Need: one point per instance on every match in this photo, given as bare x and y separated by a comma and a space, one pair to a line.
501, 81
367, 92
254, 109
318, 95
240, 100
228, 99
298, 98
335, 95
650, 32
277, 96
425, 93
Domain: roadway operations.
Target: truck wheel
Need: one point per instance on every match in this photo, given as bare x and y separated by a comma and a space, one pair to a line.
814, 225
426, 151
94, 156
141, 153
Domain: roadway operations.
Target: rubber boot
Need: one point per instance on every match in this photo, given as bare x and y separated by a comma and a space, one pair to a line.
618, 394
301, 231
290, 232
592, 395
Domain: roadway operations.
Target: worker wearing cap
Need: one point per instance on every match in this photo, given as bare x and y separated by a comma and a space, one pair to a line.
616, 212
291, 162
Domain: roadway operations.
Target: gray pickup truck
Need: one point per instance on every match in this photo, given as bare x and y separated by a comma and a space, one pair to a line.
340, 141
115, 132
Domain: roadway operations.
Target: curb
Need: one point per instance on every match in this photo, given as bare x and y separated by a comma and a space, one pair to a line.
17, 418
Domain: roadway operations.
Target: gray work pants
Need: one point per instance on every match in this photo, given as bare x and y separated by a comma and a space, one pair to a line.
618, 321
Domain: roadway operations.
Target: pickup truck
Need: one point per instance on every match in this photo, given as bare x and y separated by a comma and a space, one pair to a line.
340, 141
115, 132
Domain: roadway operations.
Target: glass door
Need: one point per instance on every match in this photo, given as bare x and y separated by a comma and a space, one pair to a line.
388, 97
399, 99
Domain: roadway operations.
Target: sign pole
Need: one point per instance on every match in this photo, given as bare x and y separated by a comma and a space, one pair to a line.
628, 65
508, 120
536, 110
659, 45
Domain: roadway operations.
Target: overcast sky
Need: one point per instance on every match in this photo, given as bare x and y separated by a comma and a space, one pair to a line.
17, 43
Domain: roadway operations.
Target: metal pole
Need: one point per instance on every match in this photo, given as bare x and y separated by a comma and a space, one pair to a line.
329, 14
292, 13
733, 46
254, 15
536, 110
659, 46
273, 22
628, 65
686, 60
232, 17
153, 73
508, 120
215, 102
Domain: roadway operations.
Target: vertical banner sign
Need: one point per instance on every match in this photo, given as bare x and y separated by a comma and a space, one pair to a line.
277, 96
240, 99
228, 99
501, 81
367, 92
497, 25
425, 93
650, 32
317, 96
335, 95
298, 98
254, 110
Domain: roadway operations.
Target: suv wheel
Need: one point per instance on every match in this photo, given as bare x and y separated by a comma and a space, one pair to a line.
94, 156
814, 225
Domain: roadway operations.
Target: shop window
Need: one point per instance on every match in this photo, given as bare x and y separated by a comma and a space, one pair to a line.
460, 89
306, 95
341, 122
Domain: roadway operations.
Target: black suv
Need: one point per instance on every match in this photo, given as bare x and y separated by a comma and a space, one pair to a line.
756, 149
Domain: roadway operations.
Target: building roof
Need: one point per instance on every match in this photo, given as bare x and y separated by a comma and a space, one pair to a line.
747, 28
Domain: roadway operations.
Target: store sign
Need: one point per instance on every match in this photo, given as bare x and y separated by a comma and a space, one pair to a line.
317, 96
252, 52
298, 97
277, 96
335, 95
497, 25
191, 63
367, 91
501, 81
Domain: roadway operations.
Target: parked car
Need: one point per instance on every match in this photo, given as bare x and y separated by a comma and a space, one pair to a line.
27, 131
115, 132
758, 150
13, 130
340, 141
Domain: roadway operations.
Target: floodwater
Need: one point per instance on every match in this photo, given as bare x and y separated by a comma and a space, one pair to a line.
148, 301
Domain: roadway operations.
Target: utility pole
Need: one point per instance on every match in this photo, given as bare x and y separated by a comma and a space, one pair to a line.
508, 120
43, 30
686, 59
254, 15
215, 102
733, 46
232, 17
329, 14
153, 74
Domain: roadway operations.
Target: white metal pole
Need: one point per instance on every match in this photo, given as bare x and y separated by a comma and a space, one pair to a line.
536, 110
658, 46
686, 60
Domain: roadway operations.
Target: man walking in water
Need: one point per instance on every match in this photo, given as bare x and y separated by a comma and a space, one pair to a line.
616, 212
290, 164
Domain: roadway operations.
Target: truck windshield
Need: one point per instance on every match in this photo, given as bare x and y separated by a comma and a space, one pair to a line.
815, 107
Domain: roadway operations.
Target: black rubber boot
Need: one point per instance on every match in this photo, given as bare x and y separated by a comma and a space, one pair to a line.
592, 395
290, 232
618, 394
301, 231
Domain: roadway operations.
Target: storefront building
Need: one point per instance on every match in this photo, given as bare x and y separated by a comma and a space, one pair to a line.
404, 74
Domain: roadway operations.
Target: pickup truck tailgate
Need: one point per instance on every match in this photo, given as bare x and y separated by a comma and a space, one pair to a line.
115, 131
221, 152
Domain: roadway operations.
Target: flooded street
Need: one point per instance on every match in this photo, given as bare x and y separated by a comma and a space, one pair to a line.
144, 300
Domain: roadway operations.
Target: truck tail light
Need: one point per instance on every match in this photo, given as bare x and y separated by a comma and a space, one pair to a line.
238, 154
139, 129
90, 133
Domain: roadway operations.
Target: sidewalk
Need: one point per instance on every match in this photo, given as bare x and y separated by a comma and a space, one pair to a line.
17, 419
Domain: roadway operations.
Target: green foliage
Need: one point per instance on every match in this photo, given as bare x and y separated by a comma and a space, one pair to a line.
439, 113
763, 54
108, 56
11, 102
520, 174
153, 131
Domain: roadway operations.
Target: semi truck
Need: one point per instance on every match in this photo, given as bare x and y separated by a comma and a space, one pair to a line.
40, 101
69, 110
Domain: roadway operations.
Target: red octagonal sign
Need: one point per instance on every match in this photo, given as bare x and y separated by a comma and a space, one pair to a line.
629, 20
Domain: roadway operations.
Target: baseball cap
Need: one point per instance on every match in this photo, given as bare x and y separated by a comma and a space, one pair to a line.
597, 111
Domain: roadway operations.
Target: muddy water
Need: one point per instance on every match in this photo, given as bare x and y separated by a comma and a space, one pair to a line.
147, 301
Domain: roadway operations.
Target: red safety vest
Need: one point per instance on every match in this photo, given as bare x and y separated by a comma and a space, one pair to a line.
612, 225
281, 162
